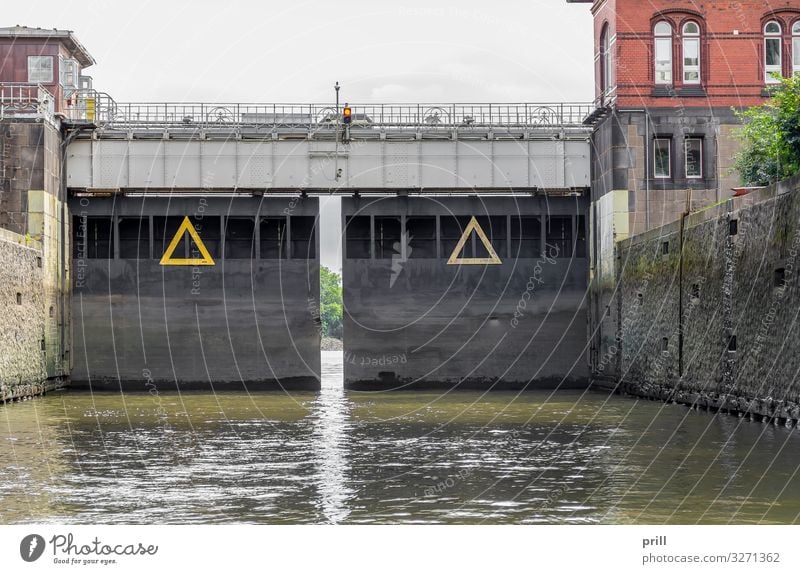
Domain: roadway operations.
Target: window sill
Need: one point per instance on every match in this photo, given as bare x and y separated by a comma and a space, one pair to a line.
684, 92
692, 92
663, 92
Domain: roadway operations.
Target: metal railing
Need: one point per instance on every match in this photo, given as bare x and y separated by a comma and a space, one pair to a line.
33, 100
324, 116
90, 105
25, 100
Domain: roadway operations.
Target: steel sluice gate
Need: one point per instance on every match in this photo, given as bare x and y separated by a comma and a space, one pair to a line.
195, 293
223, 293
465, 292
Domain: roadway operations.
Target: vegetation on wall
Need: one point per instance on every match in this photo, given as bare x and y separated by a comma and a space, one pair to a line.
771, 137
330, 287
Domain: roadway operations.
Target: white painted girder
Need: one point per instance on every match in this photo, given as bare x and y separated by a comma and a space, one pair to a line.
369, 164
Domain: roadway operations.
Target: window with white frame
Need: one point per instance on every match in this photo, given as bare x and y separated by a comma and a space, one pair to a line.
691, 53
68, 72
773, 51
662, 158
694, 158
605, 59
796, 47
40, 69
663, 52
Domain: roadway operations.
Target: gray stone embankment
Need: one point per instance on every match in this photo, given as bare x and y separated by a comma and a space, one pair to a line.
707, 309
22, 321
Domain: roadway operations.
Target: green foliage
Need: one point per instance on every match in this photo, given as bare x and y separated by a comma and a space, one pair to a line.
771, 137
330, 287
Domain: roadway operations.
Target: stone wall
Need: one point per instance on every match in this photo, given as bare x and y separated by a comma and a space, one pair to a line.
30, 158
627, 200
32, 210
623, 161
709, 307
22, 320
648, 287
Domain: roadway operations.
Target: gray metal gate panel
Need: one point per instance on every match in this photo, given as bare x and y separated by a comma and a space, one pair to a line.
248, 323
421, 323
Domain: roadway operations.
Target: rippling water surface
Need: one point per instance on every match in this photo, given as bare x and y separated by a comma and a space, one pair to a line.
331, 457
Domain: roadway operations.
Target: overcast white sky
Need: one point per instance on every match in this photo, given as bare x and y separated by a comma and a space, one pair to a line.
379, 51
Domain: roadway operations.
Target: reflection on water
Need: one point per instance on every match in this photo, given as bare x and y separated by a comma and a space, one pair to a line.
389, 458
330, 419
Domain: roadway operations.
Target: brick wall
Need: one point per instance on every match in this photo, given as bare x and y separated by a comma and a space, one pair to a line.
732, 68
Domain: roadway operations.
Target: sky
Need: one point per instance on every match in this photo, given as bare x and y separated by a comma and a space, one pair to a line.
293, 52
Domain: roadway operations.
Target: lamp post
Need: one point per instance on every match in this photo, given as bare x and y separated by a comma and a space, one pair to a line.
336, 154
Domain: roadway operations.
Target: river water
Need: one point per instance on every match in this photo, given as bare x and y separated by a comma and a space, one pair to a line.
332, 457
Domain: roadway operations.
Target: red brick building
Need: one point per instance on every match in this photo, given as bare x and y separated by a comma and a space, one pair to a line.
669, 77
673, 54
668, 74
53, 59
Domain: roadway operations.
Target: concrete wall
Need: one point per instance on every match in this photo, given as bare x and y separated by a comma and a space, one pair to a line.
717, 324
22, 325
47, 223
609, 221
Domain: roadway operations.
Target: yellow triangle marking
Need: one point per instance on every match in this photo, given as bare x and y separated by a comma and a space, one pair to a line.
186, 227
473, 225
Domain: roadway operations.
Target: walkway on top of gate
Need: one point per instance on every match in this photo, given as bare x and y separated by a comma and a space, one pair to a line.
388, 148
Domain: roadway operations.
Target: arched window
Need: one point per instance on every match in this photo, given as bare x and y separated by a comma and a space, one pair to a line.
691, 53
773, 52
605, 61
663, 52
796, 47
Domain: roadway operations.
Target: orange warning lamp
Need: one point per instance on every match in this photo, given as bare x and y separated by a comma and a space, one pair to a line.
347, 115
